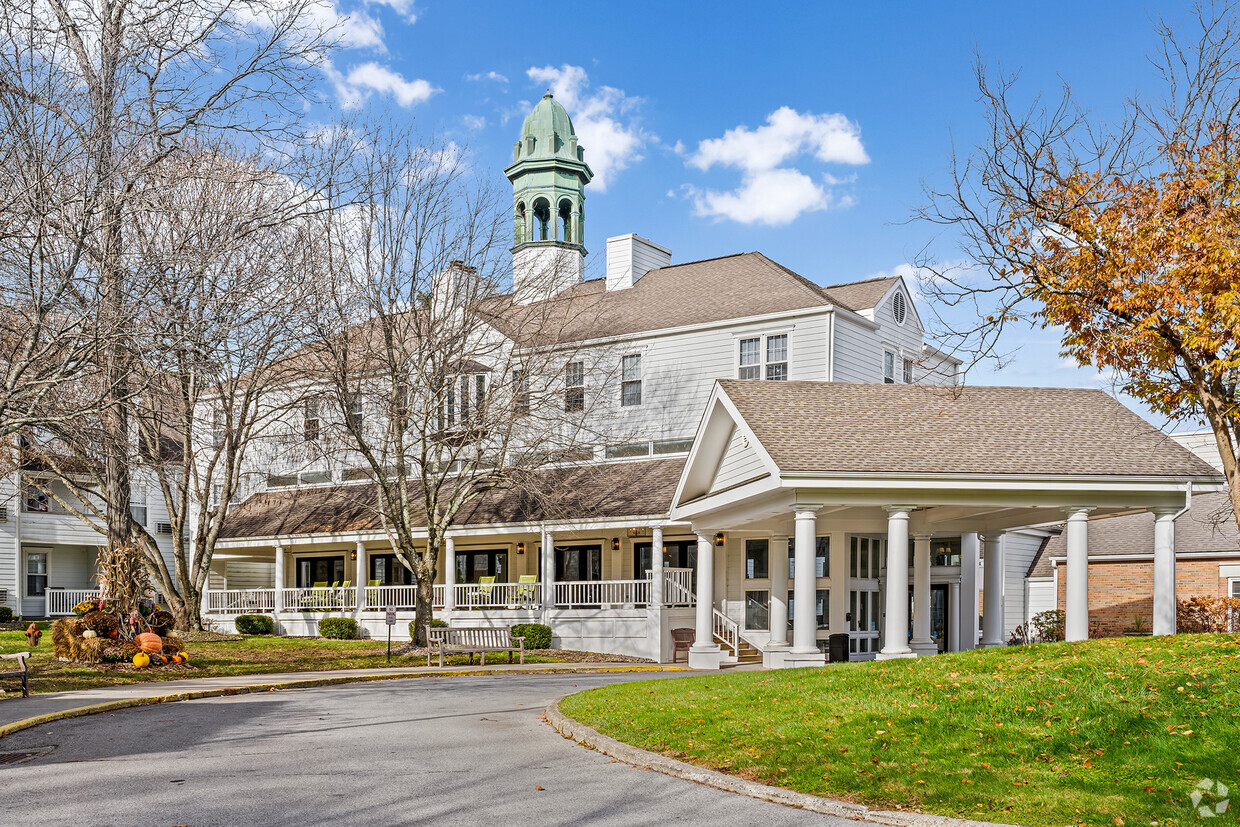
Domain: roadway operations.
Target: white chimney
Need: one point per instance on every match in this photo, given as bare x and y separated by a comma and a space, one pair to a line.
629, 257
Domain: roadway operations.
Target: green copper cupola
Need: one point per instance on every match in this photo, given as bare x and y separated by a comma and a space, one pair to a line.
549, 175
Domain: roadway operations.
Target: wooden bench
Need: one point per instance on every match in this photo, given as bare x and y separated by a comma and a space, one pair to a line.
470, 640
23, 671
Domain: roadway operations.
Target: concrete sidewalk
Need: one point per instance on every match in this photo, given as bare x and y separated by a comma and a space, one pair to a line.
18, 713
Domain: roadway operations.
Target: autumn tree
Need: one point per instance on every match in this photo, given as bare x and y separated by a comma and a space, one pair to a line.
1123, 234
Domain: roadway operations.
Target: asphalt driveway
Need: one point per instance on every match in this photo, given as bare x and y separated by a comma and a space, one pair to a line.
467, 750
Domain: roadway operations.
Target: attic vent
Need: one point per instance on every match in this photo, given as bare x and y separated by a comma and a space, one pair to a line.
163, 528
897, 307
4, 513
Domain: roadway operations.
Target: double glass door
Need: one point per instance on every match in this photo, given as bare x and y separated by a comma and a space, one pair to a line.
677, 554
578, 563
939, 607
311, 570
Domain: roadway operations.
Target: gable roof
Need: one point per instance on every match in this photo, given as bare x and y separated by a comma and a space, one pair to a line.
1208, 526
698, 292
583, 492
873, 428
862, 295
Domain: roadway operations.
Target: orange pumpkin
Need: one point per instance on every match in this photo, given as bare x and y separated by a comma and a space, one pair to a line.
149, 642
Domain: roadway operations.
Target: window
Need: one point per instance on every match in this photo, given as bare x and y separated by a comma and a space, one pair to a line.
631, 380
575, 387
36, 573
908, 371
353, 413
751, 359
464, 399
37, 499
822, 557
520, 392
472, 565
480, 393
451, 407
137, 503
310, 426
389, 571
822, 607
777, 357
864, 557
889, 368
756, 558
758, 609
1234, 585
219, 429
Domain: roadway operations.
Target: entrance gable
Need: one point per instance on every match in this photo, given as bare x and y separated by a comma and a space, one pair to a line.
725, 453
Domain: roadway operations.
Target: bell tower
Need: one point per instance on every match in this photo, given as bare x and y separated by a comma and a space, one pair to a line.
549, 176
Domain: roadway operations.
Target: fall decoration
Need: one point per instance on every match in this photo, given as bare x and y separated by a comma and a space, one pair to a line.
101, 622
85, 606
149, 642
90, 633
141, 660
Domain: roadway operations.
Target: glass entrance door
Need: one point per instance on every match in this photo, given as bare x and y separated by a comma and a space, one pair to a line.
938, 615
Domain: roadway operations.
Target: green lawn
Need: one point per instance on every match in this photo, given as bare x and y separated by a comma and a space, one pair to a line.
247, 656
1108, 732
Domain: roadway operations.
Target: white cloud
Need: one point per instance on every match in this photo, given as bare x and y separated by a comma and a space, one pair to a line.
364, 79
603, 117
474, 122
770, 192
402, 7
495, 76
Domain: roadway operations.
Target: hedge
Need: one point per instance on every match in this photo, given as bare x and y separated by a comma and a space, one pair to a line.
537, 636
255, 625
6, 614
338, 628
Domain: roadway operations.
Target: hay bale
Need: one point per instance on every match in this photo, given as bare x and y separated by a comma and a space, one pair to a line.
64, 632
173, 644
90, 650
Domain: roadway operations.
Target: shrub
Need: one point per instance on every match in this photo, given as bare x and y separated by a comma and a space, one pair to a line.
1207, 614
537, 636
436, 623
6, 614
338, 628
255, 625
1048, 626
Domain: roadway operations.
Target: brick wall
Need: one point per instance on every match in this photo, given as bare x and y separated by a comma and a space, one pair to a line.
1122, 589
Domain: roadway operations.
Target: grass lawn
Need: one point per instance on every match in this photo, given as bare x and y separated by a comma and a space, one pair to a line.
247, 656
1108, 732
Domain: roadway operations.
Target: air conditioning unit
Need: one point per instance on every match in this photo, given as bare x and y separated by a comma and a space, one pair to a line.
163, 528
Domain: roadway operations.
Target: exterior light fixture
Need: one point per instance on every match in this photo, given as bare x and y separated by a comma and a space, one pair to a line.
719, 539
615, 543
353, 555
520, 548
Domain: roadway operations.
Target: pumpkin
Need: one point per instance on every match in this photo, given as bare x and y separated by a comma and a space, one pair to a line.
89, 633
185, 657
149, 642
141, 660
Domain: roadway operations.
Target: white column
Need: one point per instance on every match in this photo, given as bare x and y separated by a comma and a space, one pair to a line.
705, 653
921, 643
547, 563
992, 589
895, 630
656, 568
805, 651
970, 550
953, 619
1076, 604
449, 575
779, 591
279, 581
359, 581
1164, 572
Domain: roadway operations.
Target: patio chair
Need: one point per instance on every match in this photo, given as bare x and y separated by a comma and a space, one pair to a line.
525, 591
682, 639
313, 601
486, 585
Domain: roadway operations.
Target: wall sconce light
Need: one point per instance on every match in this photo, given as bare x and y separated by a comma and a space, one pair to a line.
520, 548
353, 555
719, 539
615, 543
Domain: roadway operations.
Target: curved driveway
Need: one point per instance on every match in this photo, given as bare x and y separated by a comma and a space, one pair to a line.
469, 750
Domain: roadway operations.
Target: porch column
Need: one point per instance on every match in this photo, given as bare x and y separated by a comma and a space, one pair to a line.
656, 568
1163, 622
359, 574
449, 574
921, 644
967, 612
805, 651
1076, 604
953, 619
705, 653
278, 603
895, 629
547, 563
779, 591
992, 589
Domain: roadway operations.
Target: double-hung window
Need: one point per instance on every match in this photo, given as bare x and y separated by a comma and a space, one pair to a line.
908, 371
763, 357
631, 380
575, 387
137, 503
520, 392
311, 423
36, 573
889, 367
219, 429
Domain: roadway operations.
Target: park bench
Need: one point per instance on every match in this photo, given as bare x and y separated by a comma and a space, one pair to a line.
470, 640
23, 670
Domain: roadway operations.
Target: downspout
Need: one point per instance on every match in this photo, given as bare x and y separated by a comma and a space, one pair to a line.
17, 548
831, 346
1188, 499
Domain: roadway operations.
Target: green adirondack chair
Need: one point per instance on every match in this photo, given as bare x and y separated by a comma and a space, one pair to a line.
485, 586
525, 589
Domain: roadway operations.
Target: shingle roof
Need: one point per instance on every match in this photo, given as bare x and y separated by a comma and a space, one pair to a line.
825, 426
699, 292
609, 490
861, 295
1209, 526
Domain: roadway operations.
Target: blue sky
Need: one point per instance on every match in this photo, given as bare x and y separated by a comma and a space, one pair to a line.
801, 130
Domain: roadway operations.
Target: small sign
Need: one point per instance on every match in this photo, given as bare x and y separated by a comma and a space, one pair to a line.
391, 616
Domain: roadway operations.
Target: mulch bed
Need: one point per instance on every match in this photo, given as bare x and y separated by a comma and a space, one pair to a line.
194, 636
566, 655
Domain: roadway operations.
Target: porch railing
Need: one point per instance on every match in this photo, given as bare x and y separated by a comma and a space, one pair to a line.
239, 601
498, 595
727, 630
378, 598
603, 593
678, 587
61, 601
339, 599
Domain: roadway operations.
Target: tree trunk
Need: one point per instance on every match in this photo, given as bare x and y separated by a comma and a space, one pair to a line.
424, 610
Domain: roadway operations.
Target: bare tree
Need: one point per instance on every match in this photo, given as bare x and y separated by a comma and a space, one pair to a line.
1122, 233
121, 84
426, 379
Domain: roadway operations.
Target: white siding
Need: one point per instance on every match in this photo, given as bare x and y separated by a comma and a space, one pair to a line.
858, 357
1203, 444
251, 575
1019, 549
1041, 595
9, 545
905, 339
740, 462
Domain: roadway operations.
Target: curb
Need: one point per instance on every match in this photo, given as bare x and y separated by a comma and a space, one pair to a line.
643, 759
249, 689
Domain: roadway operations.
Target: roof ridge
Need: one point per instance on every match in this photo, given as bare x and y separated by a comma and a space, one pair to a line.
861, 281
702, 261
817, 289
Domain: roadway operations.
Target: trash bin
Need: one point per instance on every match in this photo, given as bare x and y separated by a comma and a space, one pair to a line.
838, 648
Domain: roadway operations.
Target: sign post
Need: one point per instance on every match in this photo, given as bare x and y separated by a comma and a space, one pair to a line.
391, 621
